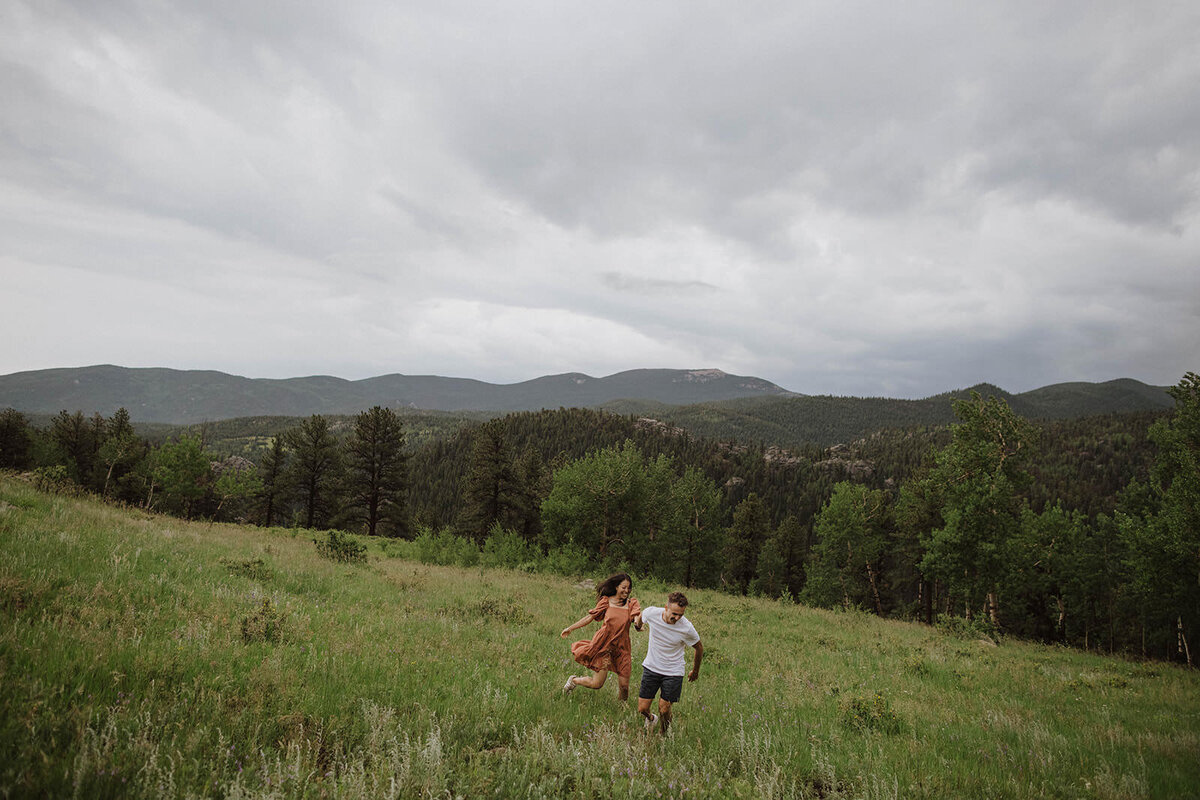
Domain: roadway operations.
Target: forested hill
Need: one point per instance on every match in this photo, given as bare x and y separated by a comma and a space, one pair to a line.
788, 422
176, 396
821, 420
1081, 464
706, 403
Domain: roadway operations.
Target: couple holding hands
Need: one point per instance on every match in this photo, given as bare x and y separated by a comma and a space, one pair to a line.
610, 650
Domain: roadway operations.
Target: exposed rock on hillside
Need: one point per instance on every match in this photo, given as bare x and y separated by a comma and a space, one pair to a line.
841, 459
778, 456
649, 423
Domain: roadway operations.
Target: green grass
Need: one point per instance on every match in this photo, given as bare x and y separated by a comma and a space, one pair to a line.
145, 656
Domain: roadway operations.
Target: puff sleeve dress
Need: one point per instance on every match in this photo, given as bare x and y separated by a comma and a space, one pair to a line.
610, 649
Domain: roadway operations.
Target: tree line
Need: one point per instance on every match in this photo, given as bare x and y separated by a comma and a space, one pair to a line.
312, 475
1078, 531
963, 538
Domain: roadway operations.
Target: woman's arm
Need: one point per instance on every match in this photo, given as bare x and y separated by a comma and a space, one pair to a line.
584, 620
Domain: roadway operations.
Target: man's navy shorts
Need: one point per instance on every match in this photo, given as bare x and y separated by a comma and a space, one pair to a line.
671, 685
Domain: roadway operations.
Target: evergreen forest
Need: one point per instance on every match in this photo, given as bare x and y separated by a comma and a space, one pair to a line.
1081, 531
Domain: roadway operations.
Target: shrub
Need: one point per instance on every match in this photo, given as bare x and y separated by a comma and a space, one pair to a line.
871, 712
264, 624
493, 611
444, 548
342, 547
464, 552
425, 547
53, 480
253, 568
505, 548
915, 664
963, 628
570, 559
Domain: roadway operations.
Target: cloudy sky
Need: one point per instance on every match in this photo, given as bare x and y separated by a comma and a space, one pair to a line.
842, 197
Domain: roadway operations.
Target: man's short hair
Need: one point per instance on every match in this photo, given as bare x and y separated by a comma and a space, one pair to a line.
678, 598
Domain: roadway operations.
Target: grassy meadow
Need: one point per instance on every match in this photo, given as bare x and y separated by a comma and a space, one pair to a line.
145, 656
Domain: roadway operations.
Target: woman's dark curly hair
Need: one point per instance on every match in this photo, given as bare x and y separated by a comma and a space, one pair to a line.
608, 587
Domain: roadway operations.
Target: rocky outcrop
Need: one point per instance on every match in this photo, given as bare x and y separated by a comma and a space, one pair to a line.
841, 459
649, 423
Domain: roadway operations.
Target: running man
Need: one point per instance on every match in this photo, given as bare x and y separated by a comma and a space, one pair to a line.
671, 633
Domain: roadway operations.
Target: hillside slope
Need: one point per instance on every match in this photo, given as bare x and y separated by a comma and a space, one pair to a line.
824, 421
201, 660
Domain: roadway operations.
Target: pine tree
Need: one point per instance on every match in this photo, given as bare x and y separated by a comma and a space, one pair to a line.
75, 439
770, 574
377, 473
15, 441
273, 470
794, 545
491, 495
315, 470
695, 538
532, 479
750, 529
600, 503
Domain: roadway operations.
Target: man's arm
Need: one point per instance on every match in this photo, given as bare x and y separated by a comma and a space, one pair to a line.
699, 648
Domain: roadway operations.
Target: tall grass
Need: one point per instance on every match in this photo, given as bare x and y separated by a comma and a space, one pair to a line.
145, 656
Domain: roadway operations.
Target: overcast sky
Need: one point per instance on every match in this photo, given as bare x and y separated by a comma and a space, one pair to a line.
849, 198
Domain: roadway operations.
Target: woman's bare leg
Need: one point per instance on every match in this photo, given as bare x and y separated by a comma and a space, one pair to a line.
622, 688
592, 682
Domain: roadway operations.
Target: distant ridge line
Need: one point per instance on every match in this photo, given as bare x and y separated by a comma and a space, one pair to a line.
165, 395
162, 394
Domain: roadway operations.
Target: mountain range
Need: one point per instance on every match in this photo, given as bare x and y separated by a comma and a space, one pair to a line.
824, 420
706, 402
189, 396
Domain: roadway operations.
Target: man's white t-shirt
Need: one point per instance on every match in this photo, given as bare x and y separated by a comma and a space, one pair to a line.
667, 645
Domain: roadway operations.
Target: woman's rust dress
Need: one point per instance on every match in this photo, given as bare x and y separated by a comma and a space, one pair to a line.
610, 648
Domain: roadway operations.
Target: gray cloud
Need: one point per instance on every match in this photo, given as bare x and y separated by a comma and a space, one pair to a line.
634, 283
841, 198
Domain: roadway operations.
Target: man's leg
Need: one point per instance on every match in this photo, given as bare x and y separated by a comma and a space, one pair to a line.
646, 693
664, 715
644, 706
672, 688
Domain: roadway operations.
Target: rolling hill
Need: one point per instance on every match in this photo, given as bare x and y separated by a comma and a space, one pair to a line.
707, 403
823, 420
194, 659
187, 396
